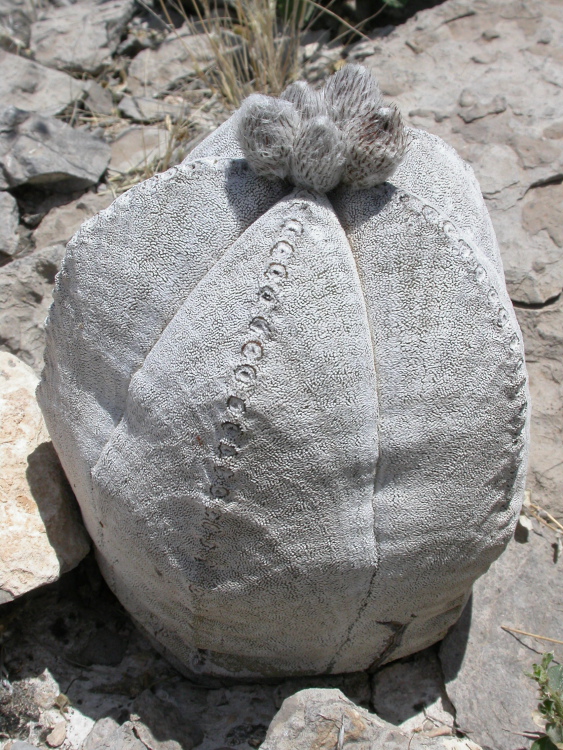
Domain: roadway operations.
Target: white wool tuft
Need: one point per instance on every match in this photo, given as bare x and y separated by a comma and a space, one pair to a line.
266, 130
350, 90
317, 139
319, 155
376, 142
307, 101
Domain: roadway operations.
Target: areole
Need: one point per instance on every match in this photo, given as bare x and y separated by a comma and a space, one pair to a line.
287, 385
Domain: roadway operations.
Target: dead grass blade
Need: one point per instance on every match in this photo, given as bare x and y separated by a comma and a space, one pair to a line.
531, 635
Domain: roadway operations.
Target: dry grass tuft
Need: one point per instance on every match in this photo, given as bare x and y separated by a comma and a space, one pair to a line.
255, 43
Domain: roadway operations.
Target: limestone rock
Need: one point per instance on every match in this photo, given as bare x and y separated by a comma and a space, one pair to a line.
108, 735
9, 220
411, 694
80, 37
485, 667
26, 288
317, 718
142, 109
501, 111
178, 58
33, 87
136, 148
98, 100
15, 25
62, 222
57, 735
44, 151
542, 329
41, 536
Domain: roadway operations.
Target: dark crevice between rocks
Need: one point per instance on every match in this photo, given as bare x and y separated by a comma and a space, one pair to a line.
550, 302
397, 632
555, 179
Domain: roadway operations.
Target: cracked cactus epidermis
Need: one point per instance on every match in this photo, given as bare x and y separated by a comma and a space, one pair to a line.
287, 385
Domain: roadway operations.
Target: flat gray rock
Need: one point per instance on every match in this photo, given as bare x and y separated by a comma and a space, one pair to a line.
107, 735
9, 220
143, 109
485, 667
80, 37
45, 151
178, 58
543, 338
137, 148
62, 222
317, 718
15, 25
33, 87
98, 100
26, 288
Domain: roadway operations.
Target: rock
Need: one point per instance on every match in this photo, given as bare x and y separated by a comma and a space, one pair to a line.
355, 686
411, 694
57, 735
26, 288
45, 690
161, 726
502, 111
19, 745
486, 667
543, 338
44, 151
100, 733
80, 37
545, 472
63, 221
482, 109
180, 57
15, 26
140, 109
121, 738
532, 267
9, 220
318, 718
136, 148
35, 88
542, 212
41, 536
99, 100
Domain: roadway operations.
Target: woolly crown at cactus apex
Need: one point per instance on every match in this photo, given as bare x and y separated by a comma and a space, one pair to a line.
287, 385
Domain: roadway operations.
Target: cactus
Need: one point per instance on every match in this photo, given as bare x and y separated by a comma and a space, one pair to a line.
287, 385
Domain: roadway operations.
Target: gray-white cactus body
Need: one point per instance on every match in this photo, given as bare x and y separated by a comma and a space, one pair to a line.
296, 424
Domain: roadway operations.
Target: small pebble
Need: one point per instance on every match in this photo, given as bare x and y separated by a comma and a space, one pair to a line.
57, 735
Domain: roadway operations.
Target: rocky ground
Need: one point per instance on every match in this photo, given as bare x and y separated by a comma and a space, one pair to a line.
95, 96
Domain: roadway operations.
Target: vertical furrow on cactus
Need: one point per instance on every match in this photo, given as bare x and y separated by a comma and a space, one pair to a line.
440, 318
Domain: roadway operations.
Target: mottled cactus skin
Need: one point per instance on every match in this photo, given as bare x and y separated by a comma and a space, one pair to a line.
296, 422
